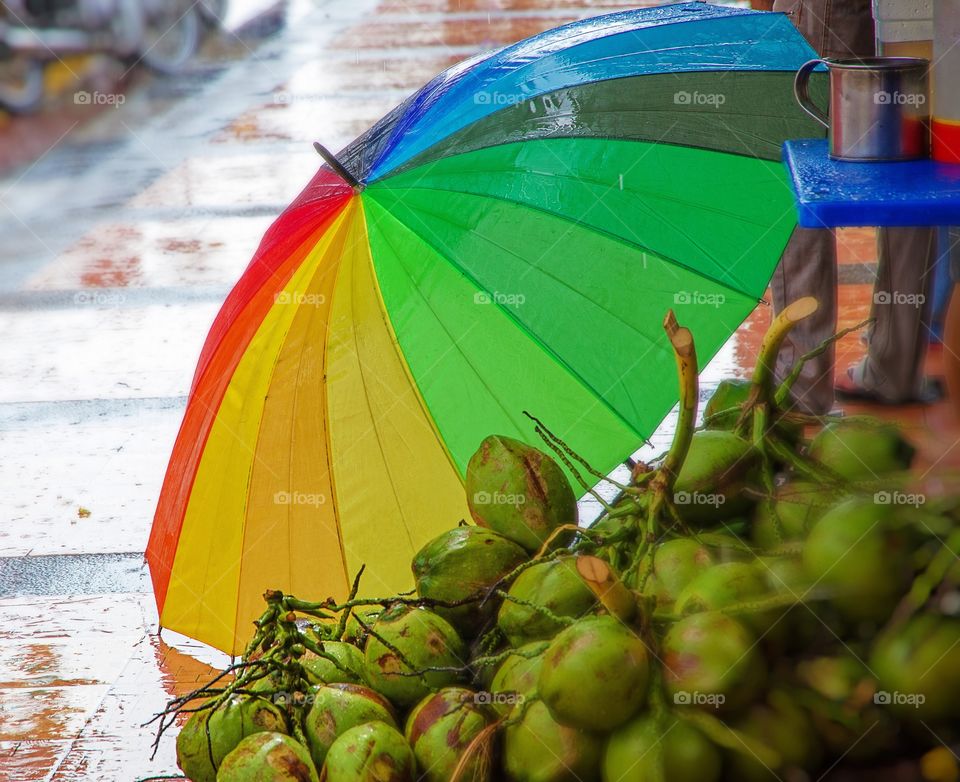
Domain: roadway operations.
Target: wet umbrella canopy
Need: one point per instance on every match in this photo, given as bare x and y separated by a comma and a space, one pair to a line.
507, 239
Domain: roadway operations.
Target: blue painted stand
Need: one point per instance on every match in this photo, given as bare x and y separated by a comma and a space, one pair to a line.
834, 194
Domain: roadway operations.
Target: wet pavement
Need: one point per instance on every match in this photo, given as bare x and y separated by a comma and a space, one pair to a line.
120, 240
122, 230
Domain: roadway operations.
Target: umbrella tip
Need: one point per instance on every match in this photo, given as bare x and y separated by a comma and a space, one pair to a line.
331, 160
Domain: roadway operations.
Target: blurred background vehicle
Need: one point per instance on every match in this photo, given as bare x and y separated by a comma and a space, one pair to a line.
162, 34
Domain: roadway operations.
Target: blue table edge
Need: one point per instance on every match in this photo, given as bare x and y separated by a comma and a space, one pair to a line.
884, 206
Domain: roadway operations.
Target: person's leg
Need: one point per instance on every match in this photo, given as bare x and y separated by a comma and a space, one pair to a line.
808, 267
809, 263
834, 28
893, 368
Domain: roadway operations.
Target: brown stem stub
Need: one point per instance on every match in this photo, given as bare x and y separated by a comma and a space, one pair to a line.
800, 309
609, 589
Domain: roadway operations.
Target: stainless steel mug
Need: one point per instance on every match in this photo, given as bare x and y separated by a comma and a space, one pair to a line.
879, 107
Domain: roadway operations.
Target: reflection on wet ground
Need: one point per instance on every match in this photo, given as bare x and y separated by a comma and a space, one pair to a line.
120, 239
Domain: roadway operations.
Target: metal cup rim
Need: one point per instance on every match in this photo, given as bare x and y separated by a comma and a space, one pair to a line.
878, 63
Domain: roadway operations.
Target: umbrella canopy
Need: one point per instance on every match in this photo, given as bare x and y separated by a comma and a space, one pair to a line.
507, 239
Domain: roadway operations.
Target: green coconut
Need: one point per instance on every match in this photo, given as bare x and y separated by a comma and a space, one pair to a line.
355, 633
519, 491
918, 667
441, 728
346, 665
516, 679
268, 757
650, 749
595, 674
711, 660
723, 410
372, 752
554, 585
862, 450
838, 694
710, 484
676, 563
540, 749
338, 707
857, 553
425, 641
210, 735
796, 507
781, 725
463, 564
785, 574
787, 578
725, 585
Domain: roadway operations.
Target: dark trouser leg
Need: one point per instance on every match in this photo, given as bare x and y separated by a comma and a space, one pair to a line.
893, 368
834, 28
809, 268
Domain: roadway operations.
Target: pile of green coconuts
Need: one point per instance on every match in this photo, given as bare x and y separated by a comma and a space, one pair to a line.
767, 601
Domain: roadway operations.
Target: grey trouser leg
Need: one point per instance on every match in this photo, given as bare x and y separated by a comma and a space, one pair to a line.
893, 368
808, 267
834, 28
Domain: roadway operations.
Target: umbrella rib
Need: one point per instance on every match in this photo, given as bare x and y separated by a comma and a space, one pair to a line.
398, 350
444, 254
543, 270
596, 229
326, 427
454, 342
376, 430
613, 32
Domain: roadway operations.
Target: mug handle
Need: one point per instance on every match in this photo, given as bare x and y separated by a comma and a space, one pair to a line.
801, 89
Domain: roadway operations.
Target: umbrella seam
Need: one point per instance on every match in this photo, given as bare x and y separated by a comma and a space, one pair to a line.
396, 138
454, 342
398, 349
323, 371
601, 231
366, 396
546, 349
246, 499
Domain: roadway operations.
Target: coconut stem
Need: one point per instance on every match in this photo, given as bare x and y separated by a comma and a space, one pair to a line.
685, 354
773, 339
724, 736
609, 589
926, 582
563, 621
783, 392
558, 532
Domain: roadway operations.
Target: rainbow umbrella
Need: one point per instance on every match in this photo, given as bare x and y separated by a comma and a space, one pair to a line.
507, 239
